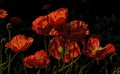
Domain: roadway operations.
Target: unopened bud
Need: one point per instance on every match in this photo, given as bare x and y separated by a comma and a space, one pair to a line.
15, 20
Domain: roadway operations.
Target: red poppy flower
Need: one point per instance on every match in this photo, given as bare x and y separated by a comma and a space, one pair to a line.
77, 30
39, 60
3, 13
72, 51
42, 25
64, 50
19, 43
30, 61
42, 58
59, 16
74, 31
94, 49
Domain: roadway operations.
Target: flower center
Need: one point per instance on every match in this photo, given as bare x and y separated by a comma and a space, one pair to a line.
97, 49
60, 49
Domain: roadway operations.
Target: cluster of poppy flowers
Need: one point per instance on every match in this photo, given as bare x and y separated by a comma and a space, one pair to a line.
64, 44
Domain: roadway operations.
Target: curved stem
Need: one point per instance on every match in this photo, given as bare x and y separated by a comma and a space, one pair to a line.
9, 56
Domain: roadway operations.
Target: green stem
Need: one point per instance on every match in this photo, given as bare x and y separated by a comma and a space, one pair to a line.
97, 61
88, 68
68, 64
3, 64
53, 70
13, 57
104, 67
76, 69
1, 57
23, 65
1, 54
45, 43
46, 71
9, 61
38, 72
80, 72
62, 54
46, 48
49, 46
59, 63
106, 71
9, 33
63, 65
70, 69
9, 57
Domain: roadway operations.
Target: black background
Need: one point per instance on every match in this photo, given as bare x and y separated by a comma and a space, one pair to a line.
28, 9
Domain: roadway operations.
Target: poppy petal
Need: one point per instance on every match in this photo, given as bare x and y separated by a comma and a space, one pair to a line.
93, 42
42, 25
76, 30
109, 48
64, 50
30, 61
42, 58
19, 43
39, 60
59, 16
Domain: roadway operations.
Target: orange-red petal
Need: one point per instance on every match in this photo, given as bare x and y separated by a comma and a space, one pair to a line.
76, 30
3, 13
42, 25
19, 43
30, 61
39, 60
93, 42
109, 48
42, 58
59, 16
94, 50
64, 50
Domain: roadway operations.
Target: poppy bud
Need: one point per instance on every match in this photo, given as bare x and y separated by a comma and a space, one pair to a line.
15, 20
